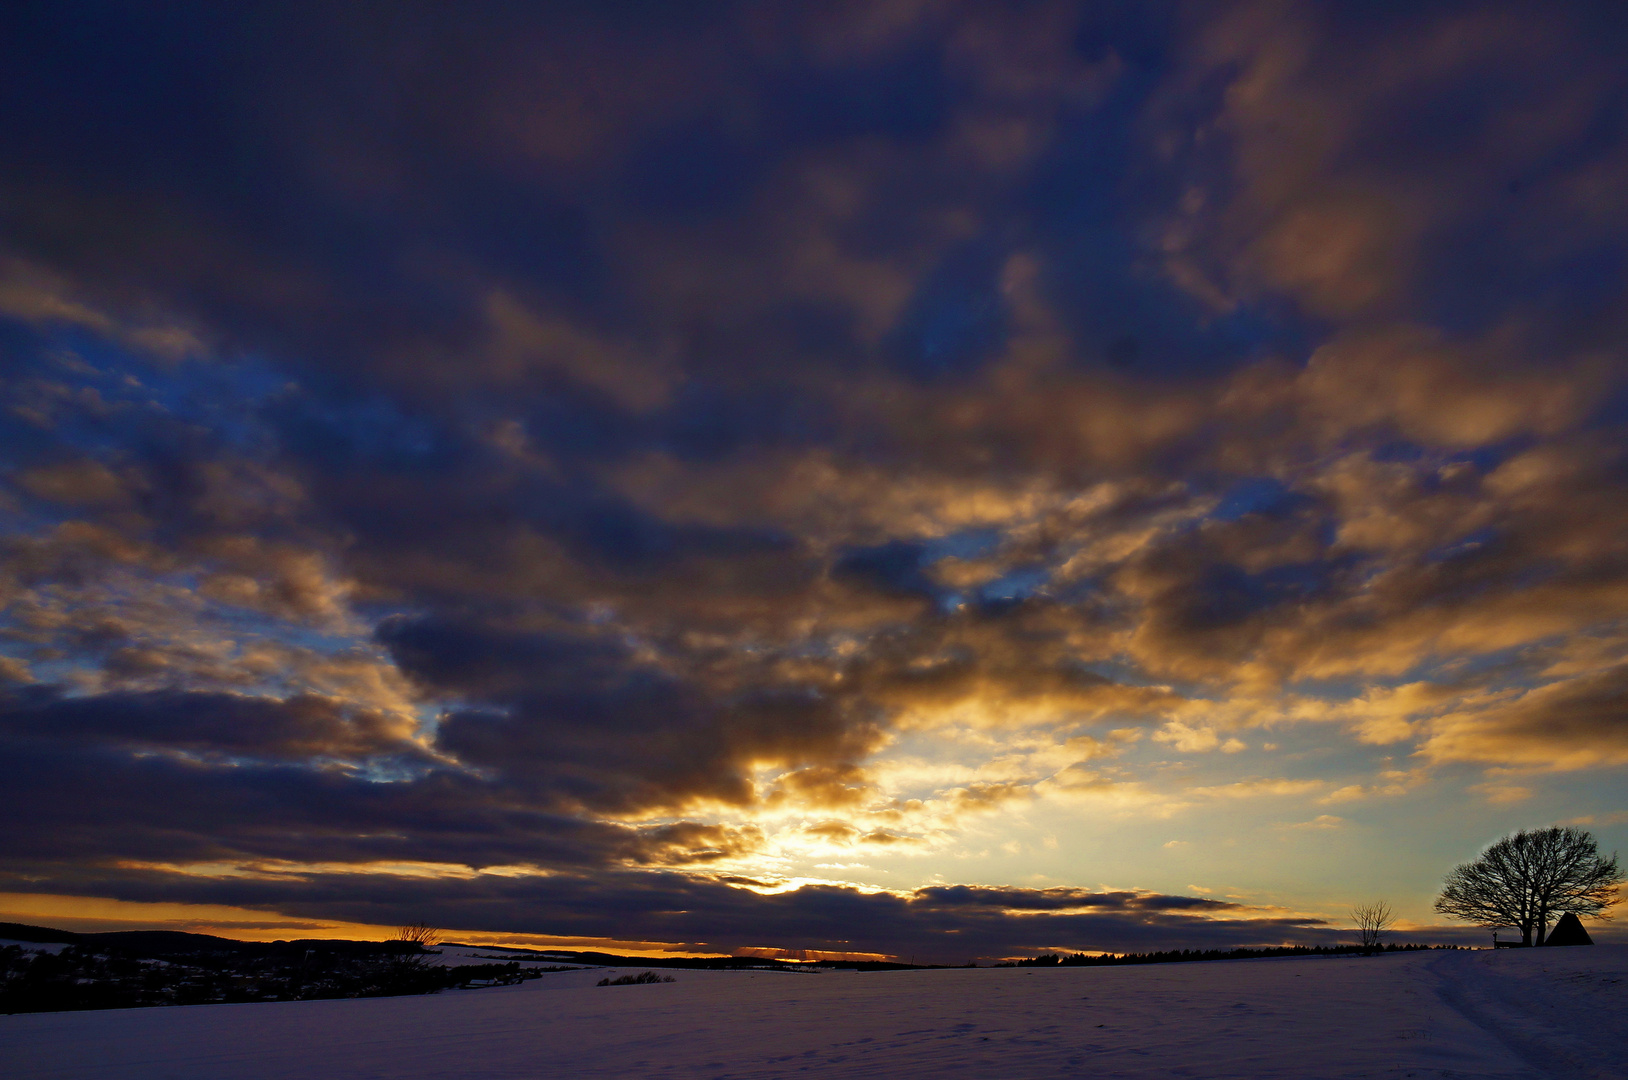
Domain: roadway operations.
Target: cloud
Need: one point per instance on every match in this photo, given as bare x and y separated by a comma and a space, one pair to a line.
1255, 788
945, 925
1499, 794
179, 807
36, 295
1347, 188
232, 725
596, 723
1189, 740
1616, 818
598, 441
1568, 724
1321, 821
829, 786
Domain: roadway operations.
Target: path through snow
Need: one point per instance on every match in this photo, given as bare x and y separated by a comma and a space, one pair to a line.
1563, 1012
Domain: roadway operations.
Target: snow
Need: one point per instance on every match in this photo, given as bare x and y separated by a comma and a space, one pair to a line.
52, 947
1513, 1013
461, 956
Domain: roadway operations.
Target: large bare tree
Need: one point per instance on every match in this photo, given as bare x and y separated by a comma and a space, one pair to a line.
1528, 878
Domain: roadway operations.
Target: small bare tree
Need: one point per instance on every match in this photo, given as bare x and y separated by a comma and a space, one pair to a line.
1372, 921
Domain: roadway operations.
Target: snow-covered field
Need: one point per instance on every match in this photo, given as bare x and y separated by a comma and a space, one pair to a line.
1522, 1013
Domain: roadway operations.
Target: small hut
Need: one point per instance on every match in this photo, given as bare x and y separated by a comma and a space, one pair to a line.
1568, 931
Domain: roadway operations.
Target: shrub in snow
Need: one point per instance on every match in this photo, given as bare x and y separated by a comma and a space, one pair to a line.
637, 980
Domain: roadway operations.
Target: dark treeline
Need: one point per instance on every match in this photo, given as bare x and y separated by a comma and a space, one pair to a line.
698, 963
146, 968
1183, 956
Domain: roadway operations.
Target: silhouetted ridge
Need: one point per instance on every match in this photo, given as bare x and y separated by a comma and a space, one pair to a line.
43, 935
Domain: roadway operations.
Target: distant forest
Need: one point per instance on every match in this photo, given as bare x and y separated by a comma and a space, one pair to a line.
155, 967
1182, 956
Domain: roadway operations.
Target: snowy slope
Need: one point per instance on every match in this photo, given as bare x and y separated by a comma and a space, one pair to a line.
34, 946
1423, 1015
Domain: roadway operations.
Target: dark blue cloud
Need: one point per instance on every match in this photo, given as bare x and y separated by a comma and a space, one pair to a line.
228, 726
957, 320
896, 567
582, 719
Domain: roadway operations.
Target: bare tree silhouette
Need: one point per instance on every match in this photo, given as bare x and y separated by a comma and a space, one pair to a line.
410, 967
423, 935
1372, 921
1526, 878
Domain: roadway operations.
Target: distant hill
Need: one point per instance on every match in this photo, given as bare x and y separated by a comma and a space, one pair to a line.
162, 943
43, 935
143, 941
139, 968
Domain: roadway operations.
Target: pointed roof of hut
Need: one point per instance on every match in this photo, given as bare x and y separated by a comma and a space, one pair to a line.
1568, 931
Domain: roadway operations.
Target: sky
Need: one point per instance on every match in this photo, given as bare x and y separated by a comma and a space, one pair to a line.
915, 478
